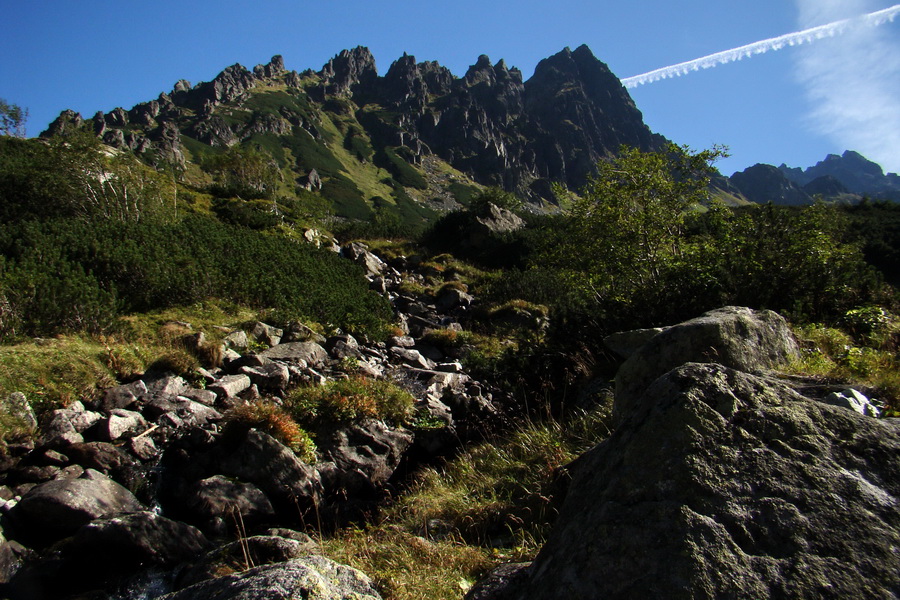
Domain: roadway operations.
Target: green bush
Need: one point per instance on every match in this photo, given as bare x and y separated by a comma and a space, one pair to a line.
72, 275
396, 160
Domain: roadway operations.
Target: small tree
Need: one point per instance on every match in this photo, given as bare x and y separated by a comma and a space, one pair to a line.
627, 225
12, 119
244, 172
108, 184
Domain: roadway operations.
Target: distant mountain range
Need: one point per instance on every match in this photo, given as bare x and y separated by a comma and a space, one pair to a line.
848, 178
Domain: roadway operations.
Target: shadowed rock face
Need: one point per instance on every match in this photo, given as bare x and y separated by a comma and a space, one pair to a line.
764, 183
724, 485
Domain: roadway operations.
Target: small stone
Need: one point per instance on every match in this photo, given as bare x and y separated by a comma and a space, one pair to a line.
230, 386
854, 401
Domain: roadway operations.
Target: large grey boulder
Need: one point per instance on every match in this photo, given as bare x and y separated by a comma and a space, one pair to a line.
361, 458
65, 421
359, 253
60, 507
230, 386
505, 582
265, 462
122, 396
126, 542
257, 550
722, 484
310, 577
220, 498
741, 338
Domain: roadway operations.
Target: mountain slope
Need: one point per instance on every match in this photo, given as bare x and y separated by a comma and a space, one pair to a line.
414, 139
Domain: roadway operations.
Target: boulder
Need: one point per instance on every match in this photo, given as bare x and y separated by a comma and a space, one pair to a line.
268, 377
122, 423
505, 582
263, 461
63, 421
126, 542
452, 298
220, 498
59, 508
230, 386
122, 396
166, 383
104, 457
721, 484
309, 352
343, 346
266, 334
359, 253
740, 338
237, 340
310, 577
626, 343
257, 550
360, 459
207, 397
410, 357
485, 227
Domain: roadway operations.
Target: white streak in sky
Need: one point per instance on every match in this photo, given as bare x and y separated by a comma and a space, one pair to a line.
777, 43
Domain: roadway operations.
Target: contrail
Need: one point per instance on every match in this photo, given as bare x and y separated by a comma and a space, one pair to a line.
777, 43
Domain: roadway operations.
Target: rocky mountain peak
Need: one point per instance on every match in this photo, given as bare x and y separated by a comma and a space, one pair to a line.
763, 183
576, 95
489, 124
347, 69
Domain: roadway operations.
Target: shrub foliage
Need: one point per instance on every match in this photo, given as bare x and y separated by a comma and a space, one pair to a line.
72, 275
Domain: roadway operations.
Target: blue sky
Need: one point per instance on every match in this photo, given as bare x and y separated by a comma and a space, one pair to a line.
96, 55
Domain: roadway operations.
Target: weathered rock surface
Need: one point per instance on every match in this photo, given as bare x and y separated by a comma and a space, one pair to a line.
626, 343
740, 338
720, 484
309, 352
257, 549
219, 497
312, 577
364, 456
506, 582
58, 508
263, 461
134, 540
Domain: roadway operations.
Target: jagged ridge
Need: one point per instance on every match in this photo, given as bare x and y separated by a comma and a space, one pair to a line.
488, 124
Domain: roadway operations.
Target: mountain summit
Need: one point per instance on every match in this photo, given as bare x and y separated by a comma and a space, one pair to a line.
357, 137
